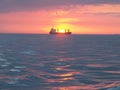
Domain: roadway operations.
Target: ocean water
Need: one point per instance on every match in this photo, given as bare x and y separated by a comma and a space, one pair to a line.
59, 62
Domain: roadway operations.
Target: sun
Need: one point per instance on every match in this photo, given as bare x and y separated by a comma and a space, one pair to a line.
61, 31
62, 28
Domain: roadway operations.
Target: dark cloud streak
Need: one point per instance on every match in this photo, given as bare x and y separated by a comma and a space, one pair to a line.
18, 5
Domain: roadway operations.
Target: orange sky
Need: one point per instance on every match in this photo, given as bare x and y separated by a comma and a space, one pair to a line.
89, 19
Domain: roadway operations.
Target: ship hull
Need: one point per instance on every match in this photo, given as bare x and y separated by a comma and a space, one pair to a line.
68, 33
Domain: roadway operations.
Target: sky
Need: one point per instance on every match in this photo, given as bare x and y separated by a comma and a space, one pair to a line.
80, 16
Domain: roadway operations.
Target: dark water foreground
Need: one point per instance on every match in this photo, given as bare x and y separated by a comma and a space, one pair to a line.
59, 62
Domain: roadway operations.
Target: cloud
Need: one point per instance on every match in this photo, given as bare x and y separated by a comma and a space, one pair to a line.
20, 5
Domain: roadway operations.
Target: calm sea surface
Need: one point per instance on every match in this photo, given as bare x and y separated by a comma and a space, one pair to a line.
59, 62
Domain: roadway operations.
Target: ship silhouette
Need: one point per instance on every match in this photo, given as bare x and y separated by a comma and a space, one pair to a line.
57, 31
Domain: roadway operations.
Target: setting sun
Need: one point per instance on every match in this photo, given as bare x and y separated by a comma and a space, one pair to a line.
61, 31
62, 26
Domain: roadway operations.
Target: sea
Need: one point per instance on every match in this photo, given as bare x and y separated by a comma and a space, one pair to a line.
59, 62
